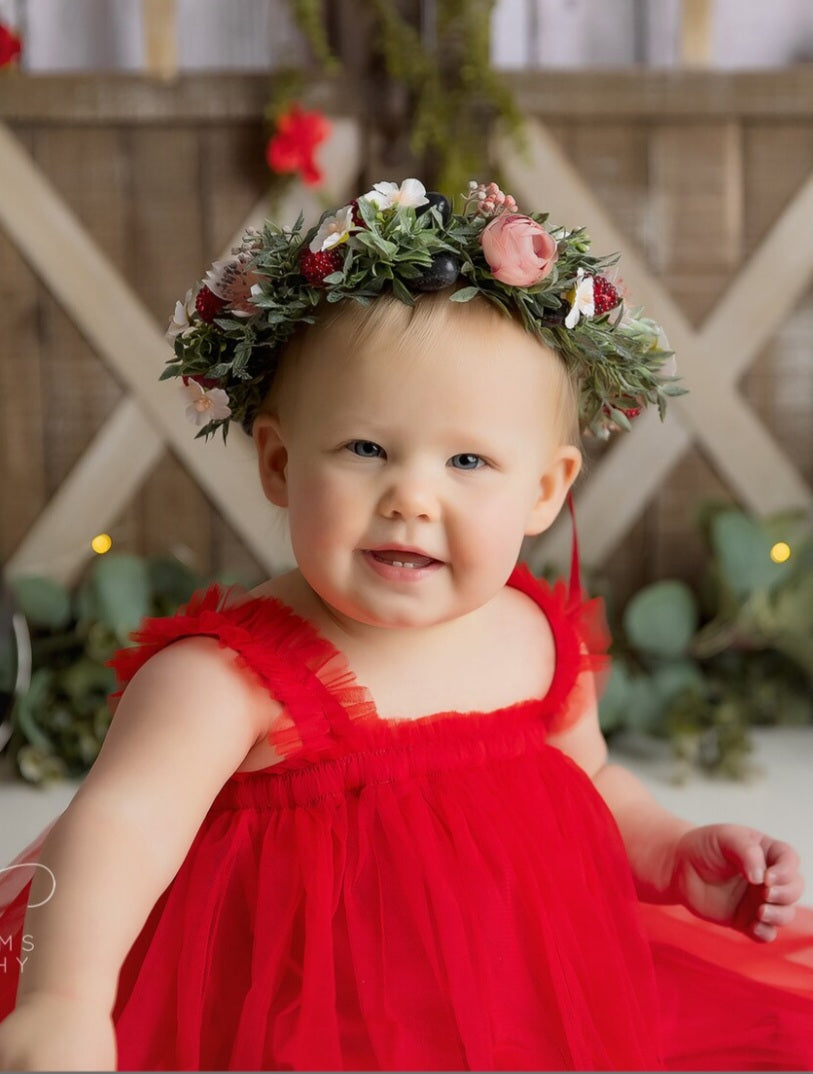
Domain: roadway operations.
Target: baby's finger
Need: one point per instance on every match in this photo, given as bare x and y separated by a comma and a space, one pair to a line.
781, 860
764, 933
785, 893
753, 863
769, 914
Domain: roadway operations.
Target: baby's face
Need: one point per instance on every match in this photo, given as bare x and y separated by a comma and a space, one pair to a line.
411, 473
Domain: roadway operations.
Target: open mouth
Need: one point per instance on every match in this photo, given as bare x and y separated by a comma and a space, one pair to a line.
395, 559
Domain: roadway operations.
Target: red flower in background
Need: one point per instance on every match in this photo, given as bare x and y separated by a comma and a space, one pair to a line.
291, 149
10, 46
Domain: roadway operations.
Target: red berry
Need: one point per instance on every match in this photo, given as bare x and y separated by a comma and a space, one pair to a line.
315, 266
205, 382
605, 296
628, 412
357, 217
208, 304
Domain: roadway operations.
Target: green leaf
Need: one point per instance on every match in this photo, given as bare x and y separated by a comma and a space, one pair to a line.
743, 549
37, 765
29, 708
662, 619
644, 712
465, 294
671, 679
122, 589
171, 581
44, 602
614, 702
83, 679
401, 292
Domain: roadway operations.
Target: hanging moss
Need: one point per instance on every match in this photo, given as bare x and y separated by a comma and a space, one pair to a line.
455, 95
310, 18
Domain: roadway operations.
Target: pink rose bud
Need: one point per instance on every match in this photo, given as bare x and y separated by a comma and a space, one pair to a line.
519, 251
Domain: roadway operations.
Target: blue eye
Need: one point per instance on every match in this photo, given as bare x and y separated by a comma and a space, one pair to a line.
365, 449
467, 461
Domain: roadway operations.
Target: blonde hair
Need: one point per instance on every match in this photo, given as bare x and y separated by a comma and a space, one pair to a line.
420, 326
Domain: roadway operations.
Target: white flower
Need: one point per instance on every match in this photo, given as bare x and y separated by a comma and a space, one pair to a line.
581, 304
182, 317
232, 281
204, 405
411, 194
333, 230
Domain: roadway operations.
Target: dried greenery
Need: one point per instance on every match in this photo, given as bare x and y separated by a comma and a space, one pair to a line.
59, 722
701, 668
454, 94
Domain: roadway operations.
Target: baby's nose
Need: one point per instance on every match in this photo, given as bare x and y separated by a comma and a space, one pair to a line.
409, 495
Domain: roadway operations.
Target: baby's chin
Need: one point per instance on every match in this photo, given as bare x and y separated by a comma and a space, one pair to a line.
391, 617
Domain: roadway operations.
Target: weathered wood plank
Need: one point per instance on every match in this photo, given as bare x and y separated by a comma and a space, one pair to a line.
167, 239
614, 159
22, 442
88, 170
126, 99
664, 94
695, 198
233, 173
778, 158
751, 461
120, 328
617, 95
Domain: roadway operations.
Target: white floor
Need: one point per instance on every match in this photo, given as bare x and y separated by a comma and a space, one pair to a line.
778, 799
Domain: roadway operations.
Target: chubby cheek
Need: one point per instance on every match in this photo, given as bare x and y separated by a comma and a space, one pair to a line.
322, 515
494, 536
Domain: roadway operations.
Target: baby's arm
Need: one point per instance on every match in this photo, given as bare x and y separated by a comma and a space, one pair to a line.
184, 724
724, 872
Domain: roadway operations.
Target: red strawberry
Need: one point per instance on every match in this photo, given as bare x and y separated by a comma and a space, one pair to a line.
605, 296
315, 266
208, 304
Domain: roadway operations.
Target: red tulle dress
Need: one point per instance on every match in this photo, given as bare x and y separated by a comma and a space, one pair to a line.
448, 892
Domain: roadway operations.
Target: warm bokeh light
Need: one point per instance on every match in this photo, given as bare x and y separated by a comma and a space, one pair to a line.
102, 543
780, 553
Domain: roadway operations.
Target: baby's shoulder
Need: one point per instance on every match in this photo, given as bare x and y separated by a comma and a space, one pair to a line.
523, 623
206, 674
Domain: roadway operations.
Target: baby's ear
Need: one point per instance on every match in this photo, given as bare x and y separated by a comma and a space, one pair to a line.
554, 485
272, 457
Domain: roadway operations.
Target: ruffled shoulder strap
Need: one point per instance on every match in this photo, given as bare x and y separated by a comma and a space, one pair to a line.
300, 670
581, 639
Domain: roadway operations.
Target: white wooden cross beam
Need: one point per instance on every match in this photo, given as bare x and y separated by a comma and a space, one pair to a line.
709, 360
124, 334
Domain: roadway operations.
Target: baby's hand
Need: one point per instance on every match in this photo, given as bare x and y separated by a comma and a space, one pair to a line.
739, 877
51, 1032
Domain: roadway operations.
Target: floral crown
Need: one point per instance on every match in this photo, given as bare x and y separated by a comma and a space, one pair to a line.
404, 240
